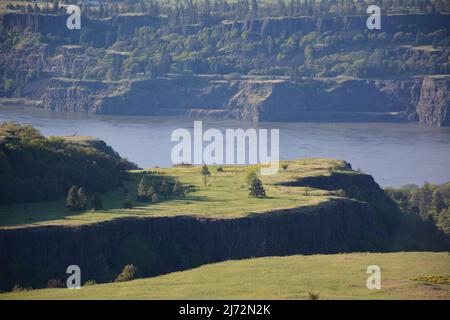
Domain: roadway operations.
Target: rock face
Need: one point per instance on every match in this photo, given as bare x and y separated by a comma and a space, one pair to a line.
289, 25
32, 256
254, 100
434, 103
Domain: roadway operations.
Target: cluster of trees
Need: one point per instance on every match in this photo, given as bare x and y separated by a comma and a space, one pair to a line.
77, 200
155, 188
35, 168
211, 50
430, 202
208, 48
148, 52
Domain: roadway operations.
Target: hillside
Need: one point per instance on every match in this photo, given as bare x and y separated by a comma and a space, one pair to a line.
34, 168
339, 276
312, 206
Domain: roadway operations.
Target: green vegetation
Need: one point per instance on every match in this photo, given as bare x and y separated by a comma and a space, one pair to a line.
340, 276
430, 203
256, 188
213, 45
34, 168
128, 273
225, 196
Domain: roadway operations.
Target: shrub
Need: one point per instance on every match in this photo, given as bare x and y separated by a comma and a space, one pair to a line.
90, 283
313, 295
19, 288
341, 193
128, 273
284, 166
53, 283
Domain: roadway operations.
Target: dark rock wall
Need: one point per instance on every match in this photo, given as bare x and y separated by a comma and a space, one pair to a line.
32, 256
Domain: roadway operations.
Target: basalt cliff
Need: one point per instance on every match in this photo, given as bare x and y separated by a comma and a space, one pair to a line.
343, 100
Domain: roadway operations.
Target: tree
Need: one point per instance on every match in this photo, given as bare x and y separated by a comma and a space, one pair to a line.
178, 189
256, 188
128, 273
72, 198
82, 199
438, 201
444, 221
164, 188
425, 198
76, 199
155, 198
144, 191
96, 202
205, 173
128, 203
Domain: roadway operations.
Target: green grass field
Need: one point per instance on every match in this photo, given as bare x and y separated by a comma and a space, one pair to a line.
224, 196
340, 276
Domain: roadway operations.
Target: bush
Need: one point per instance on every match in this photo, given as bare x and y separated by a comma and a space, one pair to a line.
90, 283
313, 295
284, 166
53, 283
18, 288
128, 273
341, 193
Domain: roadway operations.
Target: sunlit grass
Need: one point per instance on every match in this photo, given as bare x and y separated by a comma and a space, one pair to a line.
225, 195
338, 276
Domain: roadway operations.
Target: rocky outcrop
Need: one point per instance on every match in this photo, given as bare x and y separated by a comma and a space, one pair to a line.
433, 107
290, 25
96, 30
255, 100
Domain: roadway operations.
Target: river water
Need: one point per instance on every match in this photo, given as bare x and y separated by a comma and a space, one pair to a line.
395, 154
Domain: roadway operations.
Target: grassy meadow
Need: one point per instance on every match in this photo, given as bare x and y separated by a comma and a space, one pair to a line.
225, 195
340, 276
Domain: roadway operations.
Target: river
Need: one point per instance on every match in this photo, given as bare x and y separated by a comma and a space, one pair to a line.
395, 154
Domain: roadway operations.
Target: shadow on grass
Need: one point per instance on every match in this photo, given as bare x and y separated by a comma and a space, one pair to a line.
113, 202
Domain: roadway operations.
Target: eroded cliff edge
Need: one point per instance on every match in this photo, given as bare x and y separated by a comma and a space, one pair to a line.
419, 99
